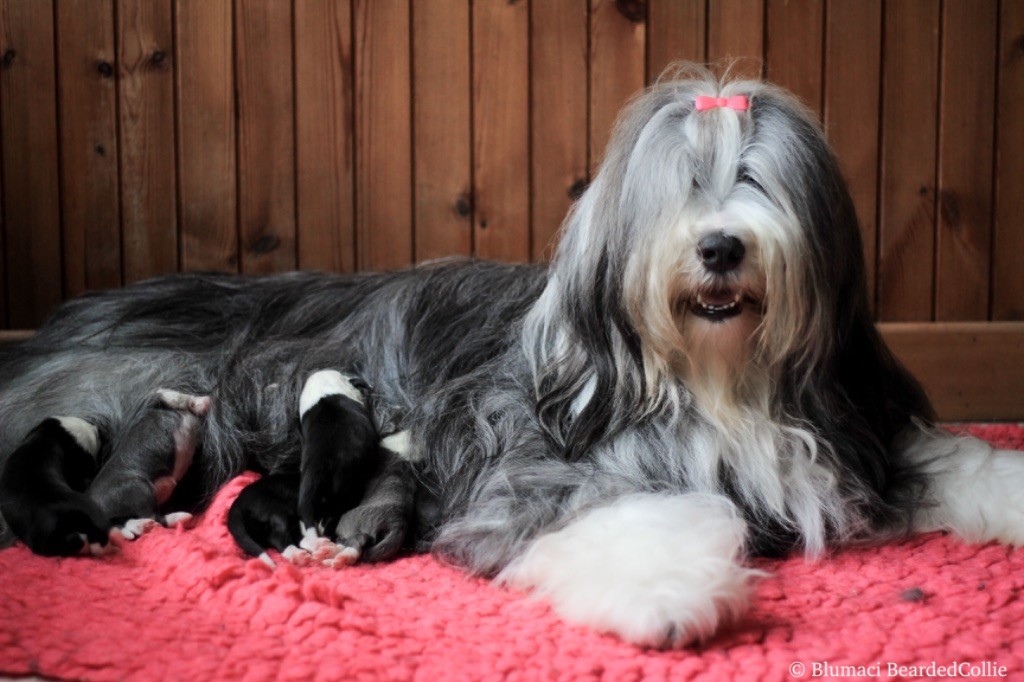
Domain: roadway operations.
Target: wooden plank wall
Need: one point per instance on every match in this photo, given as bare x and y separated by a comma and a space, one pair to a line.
149, 136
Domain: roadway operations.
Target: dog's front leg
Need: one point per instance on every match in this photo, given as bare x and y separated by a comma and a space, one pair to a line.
970, 488
655, 569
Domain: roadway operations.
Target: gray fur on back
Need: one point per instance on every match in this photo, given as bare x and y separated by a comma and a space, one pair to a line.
250, 343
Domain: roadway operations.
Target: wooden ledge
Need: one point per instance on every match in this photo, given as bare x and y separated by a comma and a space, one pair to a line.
973, 371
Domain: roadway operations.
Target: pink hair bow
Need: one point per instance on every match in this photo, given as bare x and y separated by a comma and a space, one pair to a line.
737, 102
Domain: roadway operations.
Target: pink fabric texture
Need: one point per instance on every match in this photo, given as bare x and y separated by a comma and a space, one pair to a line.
184, 604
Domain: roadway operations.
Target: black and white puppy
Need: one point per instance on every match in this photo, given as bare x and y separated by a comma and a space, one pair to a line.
56, 497
290, 512
42, 488
265, 515
339, 447
299, 515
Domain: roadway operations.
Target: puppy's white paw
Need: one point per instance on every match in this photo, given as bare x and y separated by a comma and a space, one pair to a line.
296, 556
133, 529
343, 556
316, 549
95, 548
656, 570
175, 519
312, 541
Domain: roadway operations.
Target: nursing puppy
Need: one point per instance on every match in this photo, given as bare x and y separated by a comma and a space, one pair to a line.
290, 513
265, 515
48, 474
52, 497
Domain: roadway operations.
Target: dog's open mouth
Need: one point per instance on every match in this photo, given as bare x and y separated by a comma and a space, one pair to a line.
721, 304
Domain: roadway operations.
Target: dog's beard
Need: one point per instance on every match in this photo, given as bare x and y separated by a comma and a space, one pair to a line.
722, 370
703, 328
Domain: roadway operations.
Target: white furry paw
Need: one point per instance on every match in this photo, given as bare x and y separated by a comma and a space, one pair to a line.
95, 548
133, 529
974, 490
175, 519
316, 549
655, 570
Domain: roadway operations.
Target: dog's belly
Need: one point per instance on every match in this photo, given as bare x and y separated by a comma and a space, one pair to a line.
250, 342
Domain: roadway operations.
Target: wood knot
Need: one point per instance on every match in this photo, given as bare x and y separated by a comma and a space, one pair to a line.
158, 58
633, 10
483, 224
100, 149
105, 69
8, 58
577, 189
463, 206
1017, 47
265, 244
949, 209
922, 191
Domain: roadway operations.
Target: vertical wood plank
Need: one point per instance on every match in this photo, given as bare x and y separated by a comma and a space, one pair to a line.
30, 160
441, 127
794, 48
383, 134
206, 136
736, 32
324, 135
909, 100
558, 115
966, 135
3, 228
675, 32
1008, 238
146, 100
90, 205
501, 171
617, 65
852, 90
266, 135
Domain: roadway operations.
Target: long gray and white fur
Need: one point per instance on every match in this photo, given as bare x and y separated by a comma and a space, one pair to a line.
578, 430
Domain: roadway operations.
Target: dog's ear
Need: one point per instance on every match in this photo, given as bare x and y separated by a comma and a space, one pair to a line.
602, 350
859, 400
884, 393
855, 382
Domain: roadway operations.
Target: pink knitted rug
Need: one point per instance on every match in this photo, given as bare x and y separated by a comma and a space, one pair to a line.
184, 605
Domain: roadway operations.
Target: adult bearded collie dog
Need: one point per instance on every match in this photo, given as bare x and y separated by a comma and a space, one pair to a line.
693, 381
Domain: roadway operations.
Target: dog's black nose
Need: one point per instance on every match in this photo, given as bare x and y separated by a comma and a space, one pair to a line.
720, 252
